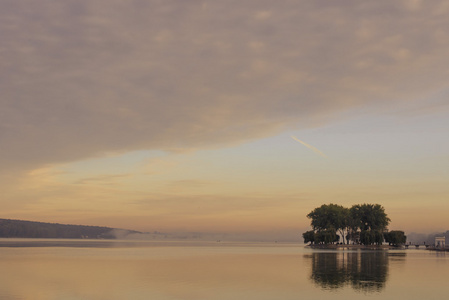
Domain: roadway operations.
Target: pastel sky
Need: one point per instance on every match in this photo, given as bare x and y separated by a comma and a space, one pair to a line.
184, 116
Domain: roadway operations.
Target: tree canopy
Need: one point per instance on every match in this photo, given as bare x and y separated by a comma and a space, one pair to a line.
362, 223
395, 237
370, 217
329, 217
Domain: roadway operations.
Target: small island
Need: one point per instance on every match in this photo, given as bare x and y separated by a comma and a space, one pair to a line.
361, 226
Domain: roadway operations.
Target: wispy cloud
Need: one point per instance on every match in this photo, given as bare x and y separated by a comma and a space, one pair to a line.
102, 179
188, 183
309, 146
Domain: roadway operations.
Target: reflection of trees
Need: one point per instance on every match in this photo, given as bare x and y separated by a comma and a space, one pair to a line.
363, 271
369, 271
328, 270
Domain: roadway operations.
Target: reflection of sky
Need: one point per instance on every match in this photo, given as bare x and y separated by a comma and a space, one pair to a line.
244, 271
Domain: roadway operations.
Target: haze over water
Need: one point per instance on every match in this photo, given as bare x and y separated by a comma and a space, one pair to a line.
101, 270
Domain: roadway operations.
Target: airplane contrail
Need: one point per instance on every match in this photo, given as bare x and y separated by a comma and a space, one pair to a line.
309, 146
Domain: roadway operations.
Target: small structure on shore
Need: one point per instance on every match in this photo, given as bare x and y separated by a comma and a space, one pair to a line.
440, 242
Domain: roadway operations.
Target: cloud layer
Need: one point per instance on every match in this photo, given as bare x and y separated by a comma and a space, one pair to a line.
83, 78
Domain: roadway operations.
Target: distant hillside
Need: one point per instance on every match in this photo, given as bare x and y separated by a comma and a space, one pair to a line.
29, 229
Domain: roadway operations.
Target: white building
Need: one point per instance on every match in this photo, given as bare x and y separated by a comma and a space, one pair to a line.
440, 242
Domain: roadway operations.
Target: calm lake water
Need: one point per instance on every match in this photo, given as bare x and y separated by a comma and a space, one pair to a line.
80, 269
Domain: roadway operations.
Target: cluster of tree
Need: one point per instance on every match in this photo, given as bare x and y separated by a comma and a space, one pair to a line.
361, 224
29, 229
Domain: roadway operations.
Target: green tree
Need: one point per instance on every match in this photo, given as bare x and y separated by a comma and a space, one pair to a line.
369, 217
330, 216
371, 220
328, 236
395, 237
309, 236
353, 228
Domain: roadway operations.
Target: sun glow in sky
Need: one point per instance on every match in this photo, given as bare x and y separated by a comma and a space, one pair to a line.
178, 116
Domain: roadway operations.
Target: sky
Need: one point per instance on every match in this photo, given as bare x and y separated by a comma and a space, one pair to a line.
223, 116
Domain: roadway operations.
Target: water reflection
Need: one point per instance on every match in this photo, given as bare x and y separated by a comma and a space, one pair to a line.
363, 271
